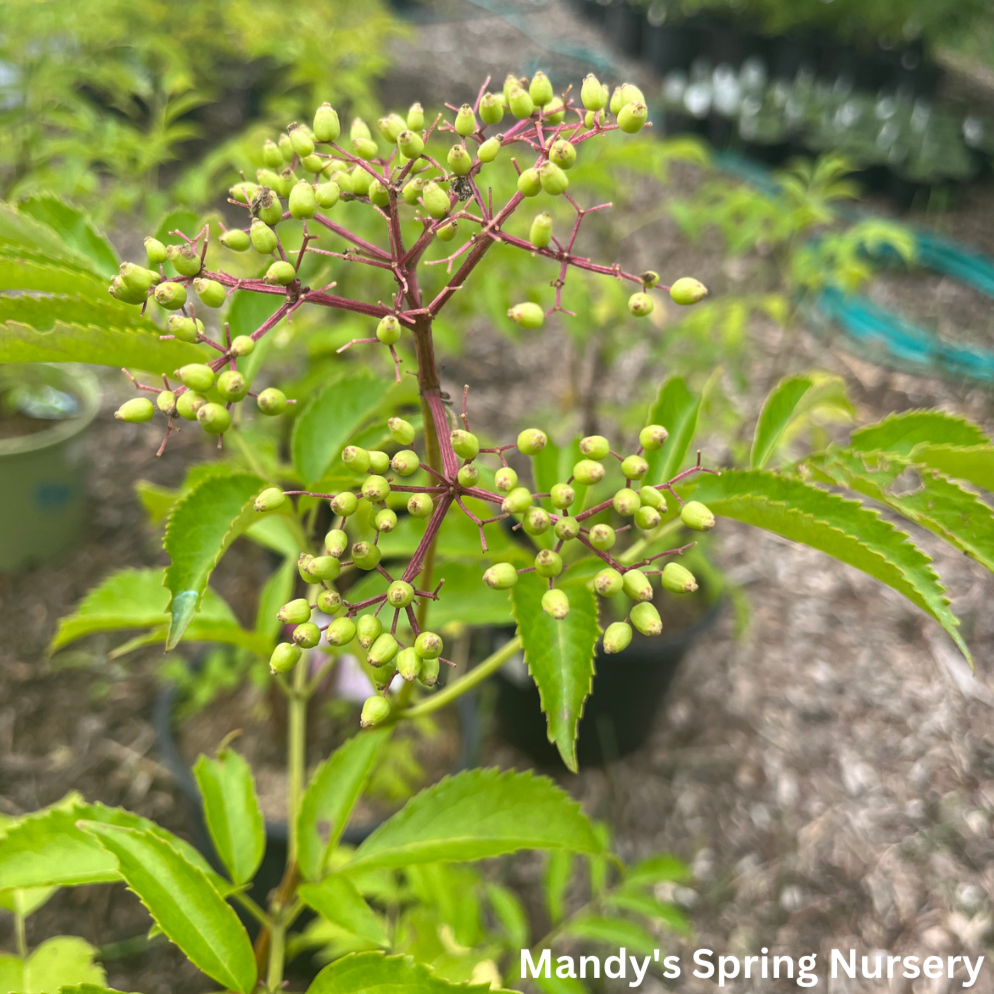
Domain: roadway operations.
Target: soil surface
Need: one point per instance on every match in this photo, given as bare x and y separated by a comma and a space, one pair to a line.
828, 774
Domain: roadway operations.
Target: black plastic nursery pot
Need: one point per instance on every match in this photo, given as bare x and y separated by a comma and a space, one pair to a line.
277, 837
618, 715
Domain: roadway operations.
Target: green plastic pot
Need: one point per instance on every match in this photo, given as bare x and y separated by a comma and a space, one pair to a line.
43, 479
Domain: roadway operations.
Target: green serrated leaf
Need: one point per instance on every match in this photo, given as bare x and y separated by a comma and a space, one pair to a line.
614, 932
43, 277
329, 419
676, 409
376, 973
184, 904
477, 814
778, 411
232, 813
201, 527
560, 656
337, 899
973, 464
900, 433
75, 230
66, 959
331, 795
22, 236
844, 529
25, 901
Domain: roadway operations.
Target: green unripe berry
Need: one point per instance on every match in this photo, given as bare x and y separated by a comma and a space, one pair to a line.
138, 278
280, 274
678, 579
529, 183
554, 111
617, 637
270, 499
379, 462
647, 518
616, 102
491, 109
236, 240
553, 179
408, 664
428, 645
184, 328
447, 231
263, 238
313, 164
327, 127
360, 180
344, 504
368, 629
651, 497
696, 516
652, 437
420, 505
634, 467
375, 489
336, 542
562, 495
592, 93
366, 555
231, 385
468, 476
374, 710
602, 537
272, 401
391, 126
405, 463
465, 122
646, 618
501, 576
410, 143
285, 656
626, 502
329, 601
302, 203
416, 117
650, 278
215, 419
388, 330
487, 152
687, 291
588, 472
595, 447
459, 160
640, 304
327, 194
540, 89
300, 140
120, 291
548, 563
531, 441
400, 593
155, 251
385, 520
359, 129
378, 194
412, 190
185, 259
435, 200
171, 296
340, 632
135, 411
636, 584
187, 404
307, 635
520, 103
166, 402
268, 178
266, 206
527, 315
517, 501
356, 458
315, 569
632, 117
401, 431
294, 612
196, 376
540, 233
608, 582
555, 603
382, 650
566, 529
562, 153
429, 671
505, 479
286, 149
465, 444
210, 292
536, 520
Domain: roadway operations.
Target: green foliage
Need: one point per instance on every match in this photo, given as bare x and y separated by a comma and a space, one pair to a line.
676, 409
338, 900
374, 973
66, 959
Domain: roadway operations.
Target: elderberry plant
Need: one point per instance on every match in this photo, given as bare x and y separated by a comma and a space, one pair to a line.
407, 186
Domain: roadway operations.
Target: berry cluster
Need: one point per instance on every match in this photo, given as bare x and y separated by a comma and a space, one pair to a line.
423, 195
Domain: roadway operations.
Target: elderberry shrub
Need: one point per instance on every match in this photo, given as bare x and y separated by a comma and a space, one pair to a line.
421, 192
